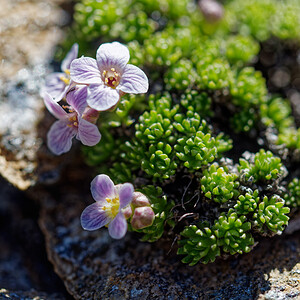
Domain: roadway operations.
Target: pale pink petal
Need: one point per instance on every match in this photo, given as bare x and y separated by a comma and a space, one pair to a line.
59, 138
85, 70
102, 187
71, 55
88, 133
54, 86
118, 226
54, 108
125, 194
77, 99
102, 97
133, 80
113, 55
94, 217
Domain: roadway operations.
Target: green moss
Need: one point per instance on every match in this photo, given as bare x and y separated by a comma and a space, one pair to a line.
271, 215
292, 196
247, 203
218, 184
241, 49
199, 244
265, 167
248, 88
233, 233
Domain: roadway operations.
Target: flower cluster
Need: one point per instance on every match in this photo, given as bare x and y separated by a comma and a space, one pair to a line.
114, 205
88, 86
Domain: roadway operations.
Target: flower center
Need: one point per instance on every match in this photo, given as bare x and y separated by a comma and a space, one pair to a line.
73, 121
112, 207
111, 78
65, 78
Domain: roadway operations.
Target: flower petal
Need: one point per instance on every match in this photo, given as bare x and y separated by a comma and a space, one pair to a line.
71, 55
125, 194
88, 133
54, 86
102, 97
59, 138
102, 187
112, 55
94, 217
85, 70
77, 99
118, 226
54, 108
133, 80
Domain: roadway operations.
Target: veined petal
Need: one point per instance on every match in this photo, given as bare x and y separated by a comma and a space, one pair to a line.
54, 108
88, 133
54, 86
94, 217
102, 97
85, 70
71, 55
113, 55
133, 80
77, 99
125, 194
59, 138
118, 226
102, 187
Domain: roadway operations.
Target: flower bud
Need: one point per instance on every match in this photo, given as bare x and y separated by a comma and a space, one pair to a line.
211, 10
127, 212
142, 217
139, 200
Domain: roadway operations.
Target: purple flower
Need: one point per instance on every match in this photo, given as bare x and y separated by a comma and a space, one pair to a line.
109, 76
111, 203
58, 83
78, 121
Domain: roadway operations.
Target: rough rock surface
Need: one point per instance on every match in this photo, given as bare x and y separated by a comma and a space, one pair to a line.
27, 295
23, 261
93, 266
29, 32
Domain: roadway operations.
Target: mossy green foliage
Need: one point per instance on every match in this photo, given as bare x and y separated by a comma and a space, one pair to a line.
199, 245
202, 82
218, 184
271, 213
292, 196
265, 167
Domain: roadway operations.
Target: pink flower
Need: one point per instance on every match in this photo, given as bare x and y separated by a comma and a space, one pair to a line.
112, 202
78, 121
58, 83
109, 76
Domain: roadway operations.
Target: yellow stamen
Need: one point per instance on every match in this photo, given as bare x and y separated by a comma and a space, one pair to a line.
106, 80
104, 73
69, 125
75, 124
68, 72
113, 69
65, 80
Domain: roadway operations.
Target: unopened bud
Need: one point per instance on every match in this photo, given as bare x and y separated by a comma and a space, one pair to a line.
212, 10
127, 212
139, 200
142, 217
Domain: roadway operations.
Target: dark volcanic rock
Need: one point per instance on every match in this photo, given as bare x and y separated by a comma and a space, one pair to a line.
29, 295
94, 266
